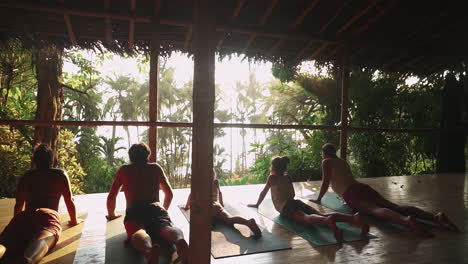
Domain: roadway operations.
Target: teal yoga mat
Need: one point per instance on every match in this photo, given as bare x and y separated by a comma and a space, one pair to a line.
333, 201
228, 241
316, 234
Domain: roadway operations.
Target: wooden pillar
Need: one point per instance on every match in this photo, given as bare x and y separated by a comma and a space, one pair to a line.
344, 108
202, 142
153, 91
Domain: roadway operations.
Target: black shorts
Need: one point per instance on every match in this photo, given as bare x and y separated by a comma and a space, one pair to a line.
293, 206
151, 217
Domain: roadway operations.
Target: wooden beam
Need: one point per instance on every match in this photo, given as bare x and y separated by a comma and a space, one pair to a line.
317, 51
237, 9
188, 36
278, 43
157, 6
108, 24
262, 22
131, 33
442, 31
203, 131
303, 14
345, 80
268, 12
332, 19
394, 60
356, 17
304, 50
153, 90
429, 21
335, 50
68, 24
220, 41
376, 17
247, 44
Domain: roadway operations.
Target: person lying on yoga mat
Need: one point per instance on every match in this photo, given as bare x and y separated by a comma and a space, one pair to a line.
145, 218
282, 194
361, 197
220, 214
35, 227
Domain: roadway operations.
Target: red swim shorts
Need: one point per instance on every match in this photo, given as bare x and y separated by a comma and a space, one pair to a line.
358, 192
25, 225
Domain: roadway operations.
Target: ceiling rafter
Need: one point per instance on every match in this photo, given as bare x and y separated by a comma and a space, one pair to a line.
68, 24
234, 15
332, 19
376, 17
131, 33
262, 22
108, 24
356, 17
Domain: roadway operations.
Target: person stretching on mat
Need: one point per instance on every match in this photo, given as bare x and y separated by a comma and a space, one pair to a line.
282, 194
35, 227
361, 197
220, 214
145, 218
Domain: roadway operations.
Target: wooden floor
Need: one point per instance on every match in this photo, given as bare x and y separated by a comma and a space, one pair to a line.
442, 192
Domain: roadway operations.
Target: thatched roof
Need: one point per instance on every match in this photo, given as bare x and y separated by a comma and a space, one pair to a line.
396, 35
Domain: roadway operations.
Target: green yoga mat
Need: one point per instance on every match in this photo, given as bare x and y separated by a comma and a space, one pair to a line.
317, 234
228, 241
333, 201
117, 251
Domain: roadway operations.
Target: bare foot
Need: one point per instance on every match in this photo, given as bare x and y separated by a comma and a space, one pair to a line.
411, 223
155, 251
182, 250
254, 227
359, 221
445, 222
338, 233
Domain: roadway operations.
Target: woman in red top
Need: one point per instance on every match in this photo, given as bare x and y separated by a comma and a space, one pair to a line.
35, 227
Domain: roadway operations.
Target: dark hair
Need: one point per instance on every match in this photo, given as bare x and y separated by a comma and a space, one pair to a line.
329, 149
139, 153
280, 164
43, 156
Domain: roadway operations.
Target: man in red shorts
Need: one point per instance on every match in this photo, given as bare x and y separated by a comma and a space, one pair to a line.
361, 197
145, 218
34, 230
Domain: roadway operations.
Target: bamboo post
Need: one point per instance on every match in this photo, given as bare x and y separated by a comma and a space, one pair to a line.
344, 108
153, 92
203, 129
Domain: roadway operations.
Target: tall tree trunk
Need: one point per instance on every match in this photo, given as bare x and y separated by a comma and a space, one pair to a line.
49, 94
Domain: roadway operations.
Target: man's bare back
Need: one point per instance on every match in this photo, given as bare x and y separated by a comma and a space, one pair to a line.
141, 182
341, 176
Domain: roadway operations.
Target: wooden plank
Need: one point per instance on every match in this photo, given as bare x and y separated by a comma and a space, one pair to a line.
376, 17
131, 33
68, 24
356, 17
203, 131
304, 50
303, 14
237, 9
317, 51
262, 22
345, 78
247, 44
108, 24
153, 91
333, 18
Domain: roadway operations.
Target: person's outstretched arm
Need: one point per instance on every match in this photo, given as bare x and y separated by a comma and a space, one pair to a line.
167, 189
189, 201
263, 193
326, 172
20, 197
68, 199
112, 197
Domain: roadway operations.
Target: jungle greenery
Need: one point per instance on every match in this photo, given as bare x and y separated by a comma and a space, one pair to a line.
376, 100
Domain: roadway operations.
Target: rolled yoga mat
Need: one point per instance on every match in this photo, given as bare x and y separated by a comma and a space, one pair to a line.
228, 241
318, 235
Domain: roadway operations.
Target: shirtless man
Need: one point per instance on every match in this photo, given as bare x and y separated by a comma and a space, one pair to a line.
361, 197
35, 230
145, 218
